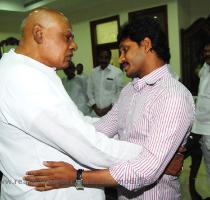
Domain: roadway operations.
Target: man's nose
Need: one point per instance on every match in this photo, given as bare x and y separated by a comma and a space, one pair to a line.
73, 45
121, 58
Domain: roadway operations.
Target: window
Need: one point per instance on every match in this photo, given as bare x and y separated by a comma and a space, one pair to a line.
104, 35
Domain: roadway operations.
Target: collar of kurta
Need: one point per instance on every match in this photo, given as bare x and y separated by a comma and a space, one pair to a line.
32, 63
150, 79
107, 68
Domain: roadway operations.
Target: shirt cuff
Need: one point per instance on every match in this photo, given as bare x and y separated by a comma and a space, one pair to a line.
125, 176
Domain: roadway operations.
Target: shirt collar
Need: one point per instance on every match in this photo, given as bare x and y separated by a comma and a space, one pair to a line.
33, 63
150, 79
107, 68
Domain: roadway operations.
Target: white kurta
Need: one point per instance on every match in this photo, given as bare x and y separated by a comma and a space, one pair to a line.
202, 119
38, 122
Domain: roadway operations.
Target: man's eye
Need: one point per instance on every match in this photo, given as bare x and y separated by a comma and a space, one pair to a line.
69, 37
124, 50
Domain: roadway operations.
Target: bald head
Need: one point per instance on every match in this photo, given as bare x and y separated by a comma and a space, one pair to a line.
44, 17
47, 37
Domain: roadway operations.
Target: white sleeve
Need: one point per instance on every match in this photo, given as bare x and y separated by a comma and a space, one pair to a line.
90, 91
119, 86
50, 116
79, 139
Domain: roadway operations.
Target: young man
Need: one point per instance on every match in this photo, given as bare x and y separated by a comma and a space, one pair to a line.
154, 110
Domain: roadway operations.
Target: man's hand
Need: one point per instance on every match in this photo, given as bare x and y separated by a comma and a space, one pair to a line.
59, 175
97, 110
175, 166
103, 111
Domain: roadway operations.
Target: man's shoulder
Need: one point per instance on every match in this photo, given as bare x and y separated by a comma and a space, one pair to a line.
115, 71
114, 68
173, 87
127, 88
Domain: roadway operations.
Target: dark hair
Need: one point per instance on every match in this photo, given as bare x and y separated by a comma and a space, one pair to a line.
206, 41
106, 50
138, 29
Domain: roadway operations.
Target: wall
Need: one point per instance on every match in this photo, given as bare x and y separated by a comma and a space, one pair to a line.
190, 11
199, 9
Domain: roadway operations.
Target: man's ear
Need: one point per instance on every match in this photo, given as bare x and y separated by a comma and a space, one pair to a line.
147, 44
37, 33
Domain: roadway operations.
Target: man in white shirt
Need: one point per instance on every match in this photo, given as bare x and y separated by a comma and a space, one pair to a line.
202, 122
38, 120
104, 85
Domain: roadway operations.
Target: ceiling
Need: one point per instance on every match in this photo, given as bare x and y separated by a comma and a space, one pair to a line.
27, 5
22, 5
18, 10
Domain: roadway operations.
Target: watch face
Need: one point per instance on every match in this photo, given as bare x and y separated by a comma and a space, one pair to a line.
79, 185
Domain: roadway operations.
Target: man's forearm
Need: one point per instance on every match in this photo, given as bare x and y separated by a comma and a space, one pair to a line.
98, 178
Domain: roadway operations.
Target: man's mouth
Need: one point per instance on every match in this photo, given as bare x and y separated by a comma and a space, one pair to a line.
125, 65
68, 57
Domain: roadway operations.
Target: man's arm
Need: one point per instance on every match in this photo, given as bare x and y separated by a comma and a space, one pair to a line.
108, 124
47, 114
119, 86
62, 175
90, 91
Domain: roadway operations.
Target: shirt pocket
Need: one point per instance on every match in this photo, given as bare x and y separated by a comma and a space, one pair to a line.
109, 83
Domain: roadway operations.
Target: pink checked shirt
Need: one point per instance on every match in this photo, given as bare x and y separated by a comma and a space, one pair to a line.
156, 112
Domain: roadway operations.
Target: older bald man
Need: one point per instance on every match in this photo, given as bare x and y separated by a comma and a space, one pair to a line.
38, 120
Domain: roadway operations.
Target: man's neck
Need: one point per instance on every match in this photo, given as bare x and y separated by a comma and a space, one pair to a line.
151, 66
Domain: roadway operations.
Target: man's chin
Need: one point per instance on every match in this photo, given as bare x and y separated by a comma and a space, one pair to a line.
131, 75
62, 67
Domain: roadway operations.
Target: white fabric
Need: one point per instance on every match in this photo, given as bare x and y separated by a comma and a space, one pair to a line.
205, 146
38, 122
77, 91
202, 119
104, 86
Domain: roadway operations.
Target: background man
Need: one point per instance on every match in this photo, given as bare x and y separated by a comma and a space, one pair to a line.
202, 121
104, 85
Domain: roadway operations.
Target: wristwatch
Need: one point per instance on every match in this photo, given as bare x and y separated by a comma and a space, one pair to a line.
79, 181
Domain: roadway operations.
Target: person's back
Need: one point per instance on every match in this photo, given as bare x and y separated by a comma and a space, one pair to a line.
75, 87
